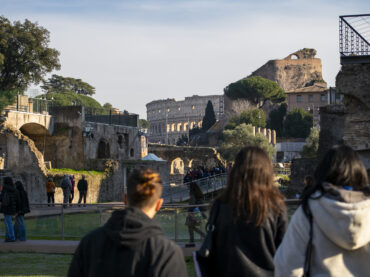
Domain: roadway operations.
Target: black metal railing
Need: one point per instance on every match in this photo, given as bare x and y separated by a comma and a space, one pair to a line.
110, 116
354, 35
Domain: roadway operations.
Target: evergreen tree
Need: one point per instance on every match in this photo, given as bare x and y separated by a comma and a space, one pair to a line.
298, 123
209, 118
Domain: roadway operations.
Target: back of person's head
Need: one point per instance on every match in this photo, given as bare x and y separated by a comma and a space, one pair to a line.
195, 191
19, 185
8, 182
144, 188
250, 191
342, 167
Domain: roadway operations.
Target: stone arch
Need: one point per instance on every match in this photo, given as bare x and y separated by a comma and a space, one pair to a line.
173, 125
294, 57
200, 124
192, 124
185, 126
103, 149
40, 136
168, 128
177, 166
36, 129
193, 163
179, 127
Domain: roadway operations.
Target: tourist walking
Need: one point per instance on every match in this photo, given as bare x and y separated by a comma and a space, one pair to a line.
82, 190
131, 243
66, 187
50, 191
329, 234
10, 202
19, 226
71, 195
250, 219
195, 214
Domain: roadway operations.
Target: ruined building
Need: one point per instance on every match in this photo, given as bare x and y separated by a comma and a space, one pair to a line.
170, 119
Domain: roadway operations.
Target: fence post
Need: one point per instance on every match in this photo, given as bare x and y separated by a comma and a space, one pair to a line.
100, 217
176, 226
62, 221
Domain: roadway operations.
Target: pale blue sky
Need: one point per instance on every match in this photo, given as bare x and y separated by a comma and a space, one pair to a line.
134, 52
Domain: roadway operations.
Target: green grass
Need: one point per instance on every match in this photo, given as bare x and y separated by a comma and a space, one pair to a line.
32, 264
72, 171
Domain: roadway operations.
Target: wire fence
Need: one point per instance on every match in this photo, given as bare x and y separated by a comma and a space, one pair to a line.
74, 222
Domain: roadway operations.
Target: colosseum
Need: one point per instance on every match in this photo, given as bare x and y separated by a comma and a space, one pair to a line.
170, 119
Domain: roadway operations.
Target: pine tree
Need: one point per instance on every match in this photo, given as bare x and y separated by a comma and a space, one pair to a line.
209, 117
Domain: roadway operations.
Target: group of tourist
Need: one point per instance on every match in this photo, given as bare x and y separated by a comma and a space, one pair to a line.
14, 203
68, 186
248, 232
202, 172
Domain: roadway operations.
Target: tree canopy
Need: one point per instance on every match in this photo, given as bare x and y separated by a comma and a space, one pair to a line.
298, 123
143, 123
256, 89
234, 140
107, 106
209, 117
25, 57
7, 98
276, 119
312, 144
70, 99
60, 84
256, 117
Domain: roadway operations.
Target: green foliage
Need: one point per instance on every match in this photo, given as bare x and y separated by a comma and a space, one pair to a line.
256, 117
242, 136
60, 84
256, 89
276, 119
107, 106
73, 171
7, 98
183, 140
298, 123
312, 144
143, 123
209, 117
25, 57
71, 98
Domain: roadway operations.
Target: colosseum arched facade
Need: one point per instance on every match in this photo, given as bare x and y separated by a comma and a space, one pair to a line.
170, 119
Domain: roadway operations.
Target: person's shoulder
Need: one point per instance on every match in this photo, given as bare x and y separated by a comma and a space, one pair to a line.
93, 237
163, 244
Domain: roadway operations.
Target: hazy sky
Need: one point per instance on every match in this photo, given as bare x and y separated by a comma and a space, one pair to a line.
136, 51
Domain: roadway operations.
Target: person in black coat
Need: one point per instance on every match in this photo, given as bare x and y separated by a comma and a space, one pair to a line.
82, 190
24, 207
10, 204
251, 219
131, 243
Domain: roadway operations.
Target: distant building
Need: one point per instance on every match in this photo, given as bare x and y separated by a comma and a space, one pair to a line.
170, 119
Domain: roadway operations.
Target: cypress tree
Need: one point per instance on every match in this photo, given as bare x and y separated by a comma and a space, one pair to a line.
209, 117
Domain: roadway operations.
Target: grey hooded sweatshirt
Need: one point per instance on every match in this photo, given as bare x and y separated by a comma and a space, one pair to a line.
341, 236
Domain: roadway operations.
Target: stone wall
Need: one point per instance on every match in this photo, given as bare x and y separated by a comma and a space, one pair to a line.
292, 73
299, 169
170, 119
24, 162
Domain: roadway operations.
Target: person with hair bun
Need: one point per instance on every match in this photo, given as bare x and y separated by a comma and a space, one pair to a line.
131, 243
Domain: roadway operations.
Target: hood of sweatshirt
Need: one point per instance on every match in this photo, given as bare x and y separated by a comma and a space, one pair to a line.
130, 227
343, 216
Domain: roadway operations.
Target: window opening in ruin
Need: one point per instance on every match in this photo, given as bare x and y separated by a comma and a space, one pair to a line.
294, 57
173, 127
193, 107
168, 110
177, 166
179, 108
103, 150
323, 98
186, 126
159, 111
131, 152
299, 98
179, 127
168, 128
126, 139
310, 98
120, 141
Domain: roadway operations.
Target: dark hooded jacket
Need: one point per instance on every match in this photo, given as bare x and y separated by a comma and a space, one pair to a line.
13, 201
24, 206
242, 249
129, 244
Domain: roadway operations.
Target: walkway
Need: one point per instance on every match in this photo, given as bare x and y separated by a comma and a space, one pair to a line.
59, 247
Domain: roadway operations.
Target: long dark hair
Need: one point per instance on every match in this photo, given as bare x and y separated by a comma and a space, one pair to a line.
342, 167
250, 191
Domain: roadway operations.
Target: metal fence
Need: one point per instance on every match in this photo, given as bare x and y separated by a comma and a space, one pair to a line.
110, 116
74, 222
